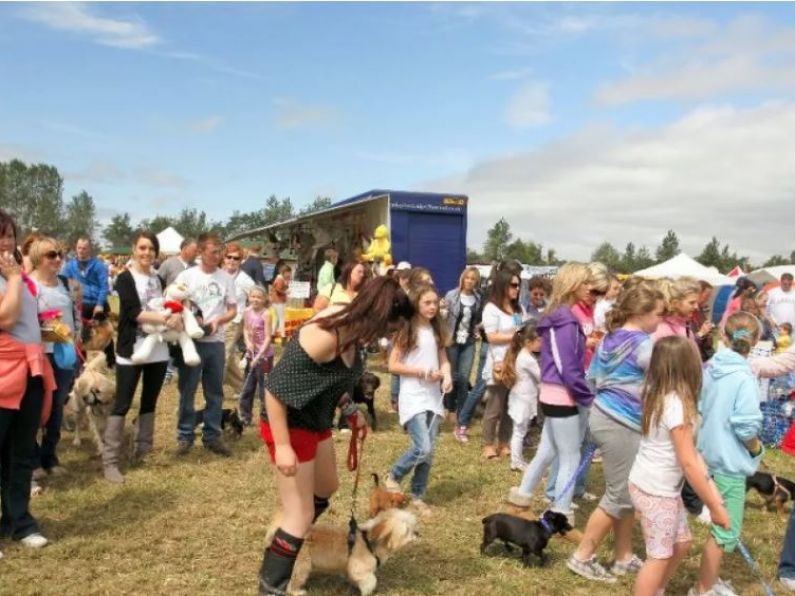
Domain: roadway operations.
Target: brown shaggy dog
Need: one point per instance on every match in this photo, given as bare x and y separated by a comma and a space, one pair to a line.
93, 394
381, 500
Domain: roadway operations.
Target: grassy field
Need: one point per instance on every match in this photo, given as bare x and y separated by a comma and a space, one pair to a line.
196, 525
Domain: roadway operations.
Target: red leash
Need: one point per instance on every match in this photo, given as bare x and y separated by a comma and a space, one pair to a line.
358, 435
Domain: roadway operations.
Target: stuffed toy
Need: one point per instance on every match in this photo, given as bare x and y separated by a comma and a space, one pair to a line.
380, 246
174, 300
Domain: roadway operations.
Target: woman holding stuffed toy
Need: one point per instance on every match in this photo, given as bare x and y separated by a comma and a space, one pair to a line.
137, 286
26, 390
321, 363
54, 297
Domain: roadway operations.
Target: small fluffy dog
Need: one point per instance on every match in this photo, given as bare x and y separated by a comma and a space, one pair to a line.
381, 500
230, 421
92, 395
325, 550
775, 489
531, 536
364, 393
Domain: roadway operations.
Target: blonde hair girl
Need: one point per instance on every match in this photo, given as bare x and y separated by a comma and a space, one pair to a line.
681, 301
522, 374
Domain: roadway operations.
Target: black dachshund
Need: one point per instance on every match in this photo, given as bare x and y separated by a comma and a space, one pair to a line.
531, 536
230, 420
364, 393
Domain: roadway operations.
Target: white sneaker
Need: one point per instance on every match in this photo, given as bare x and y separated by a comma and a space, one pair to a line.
421, 507
516, 497
586, 496
548, 501
519, 466
390, 484
34, 541
788, 583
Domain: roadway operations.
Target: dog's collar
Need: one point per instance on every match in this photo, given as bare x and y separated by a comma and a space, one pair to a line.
370, 548
777, 485
353, 529
545, 524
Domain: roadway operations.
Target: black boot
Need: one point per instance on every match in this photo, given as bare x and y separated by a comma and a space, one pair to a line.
277, 564
321, 504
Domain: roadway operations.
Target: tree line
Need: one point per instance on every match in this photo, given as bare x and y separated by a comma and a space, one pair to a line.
501, 244
33, 194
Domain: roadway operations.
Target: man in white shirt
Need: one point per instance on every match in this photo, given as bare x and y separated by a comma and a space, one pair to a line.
233, 377
213, 291
781, 302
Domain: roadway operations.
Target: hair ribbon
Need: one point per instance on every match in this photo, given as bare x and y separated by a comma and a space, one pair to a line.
741, 334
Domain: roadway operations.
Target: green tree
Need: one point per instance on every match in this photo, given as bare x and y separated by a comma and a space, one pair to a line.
776, 260
157, 224
643, 259
81, 218
608, 255
316, 205
669, 247
552, 258
628, 259
473, 256
119, 232
34, 194
711, 255
497, 240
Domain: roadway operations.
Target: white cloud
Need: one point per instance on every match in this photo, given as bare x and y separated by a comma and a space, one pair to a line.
717, 171
206, 125
746, 55
97, 170
78, 18
511, 75
152, 176
529, 107
293, 114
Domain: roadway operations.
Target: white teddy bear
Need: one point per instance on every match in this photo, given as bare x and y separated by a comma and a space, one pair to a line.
174, 300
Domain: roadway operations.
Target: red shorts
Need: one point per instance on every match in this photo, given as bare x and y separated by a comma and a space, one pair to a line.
304, 442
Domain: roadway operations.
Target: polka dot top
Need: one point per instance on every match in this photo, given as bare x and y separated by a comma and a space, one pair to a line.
309, 389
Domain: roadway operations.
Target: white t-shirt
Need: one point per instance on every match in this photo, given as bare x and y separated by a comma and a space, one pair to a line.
523, 398
418, 395
467, 308
148, 288
495, 320
781, 305
656, 470
600, 311
212, 292
243, 285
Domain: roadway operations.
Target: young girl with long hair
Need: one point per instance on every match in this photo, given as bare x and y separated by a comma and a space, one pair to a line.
419, 357
666, 456
257, 336
681, 301
502, 316
303, 390
731, 421
565, 395
522, 375
617, 371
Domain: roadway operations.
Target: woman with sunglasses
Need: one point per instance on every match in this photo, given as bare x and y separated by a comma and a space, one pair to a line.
233, 256
502, 317
46, 259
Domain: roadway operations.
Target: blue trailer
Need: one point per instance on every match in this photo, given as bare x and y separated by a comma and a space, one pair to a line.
426, 229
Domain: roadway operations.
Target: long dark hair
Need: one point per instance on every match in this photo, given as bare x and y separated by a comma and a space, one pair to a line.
522, 336
347, 271
379, 305
7, 224
406, 338
499, 291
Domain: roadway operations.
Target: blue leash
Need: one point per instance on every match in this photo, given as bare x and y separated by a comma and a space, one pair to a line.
586, 459
754, 567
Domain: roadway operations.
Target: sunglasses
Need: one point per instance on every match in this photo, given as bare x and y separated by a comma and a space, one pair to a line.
597, 293
233, 257
516, 285
54, 254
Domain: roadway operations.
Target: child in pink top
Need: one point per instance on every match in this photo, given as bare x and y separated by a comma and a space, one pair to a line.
259, 351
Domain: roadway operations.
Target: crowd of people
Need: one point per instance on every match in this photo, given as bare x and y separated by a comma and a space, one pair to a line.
627, 369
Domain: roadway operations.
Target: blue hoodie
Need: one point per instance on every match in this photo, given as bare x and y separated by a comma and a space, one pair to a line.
730, 415
94, 279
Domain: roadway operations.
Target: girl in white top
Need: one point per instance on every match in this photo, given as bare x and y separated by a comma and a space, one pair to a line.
666, 456
522, 375
419, 357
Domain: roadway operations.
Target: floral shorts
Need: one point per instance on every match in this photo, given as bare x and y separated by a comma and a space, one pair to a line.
663, 520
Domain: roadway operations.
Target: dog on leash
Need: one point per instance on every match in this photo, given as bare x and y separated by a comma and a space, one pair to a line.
326, 550
364, 393
381, 500
96, 334
531, 536
775, 489
230, 422
92, 396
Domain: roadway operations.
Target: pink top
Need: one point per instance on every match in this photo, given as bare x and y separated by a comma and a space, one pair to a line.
584, 315
555, 395
731, 308
258, 324
675, 326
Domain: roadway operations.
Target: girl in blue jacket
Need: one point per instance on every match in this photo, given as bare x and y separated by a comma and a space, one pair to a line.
731, 421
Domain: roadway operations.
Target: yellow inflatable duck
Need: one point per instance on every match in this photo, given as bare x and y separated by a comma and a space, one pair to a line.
380, 246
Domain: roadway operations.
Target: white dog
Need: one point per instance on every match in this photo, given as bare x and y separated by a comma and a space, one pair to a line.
173, 301
93, 394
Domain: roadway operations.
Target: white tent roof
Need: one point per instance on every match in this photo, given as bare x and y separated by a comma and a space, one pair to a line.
767, 274
169, 240
684, 266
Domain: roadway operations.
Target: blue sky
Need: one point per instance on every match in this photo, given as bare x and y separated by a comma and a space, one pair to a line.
577, 122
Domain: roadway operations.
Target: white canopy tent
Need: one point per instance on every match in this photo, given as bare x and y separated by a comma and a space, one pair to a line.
684, 266
768, 274
169, 240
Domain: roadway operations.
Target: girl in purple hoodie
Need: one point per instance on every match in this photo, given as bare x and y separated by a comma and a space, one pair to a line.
565, 395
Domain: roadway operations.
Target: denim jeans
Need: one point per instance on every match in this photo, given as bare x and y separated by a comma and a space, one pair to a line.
254, 382
422, 429
461, 357
394, 388
561, 438
786, 565
579, 486
211, 374
473, 397
51, 436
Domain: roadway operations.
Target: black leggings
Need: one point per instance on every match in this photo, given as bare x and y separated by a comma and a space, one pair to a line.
127, 382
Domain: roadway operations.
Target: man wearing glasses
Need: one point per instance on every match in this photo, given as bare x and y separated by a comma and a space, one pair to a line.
243, 284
